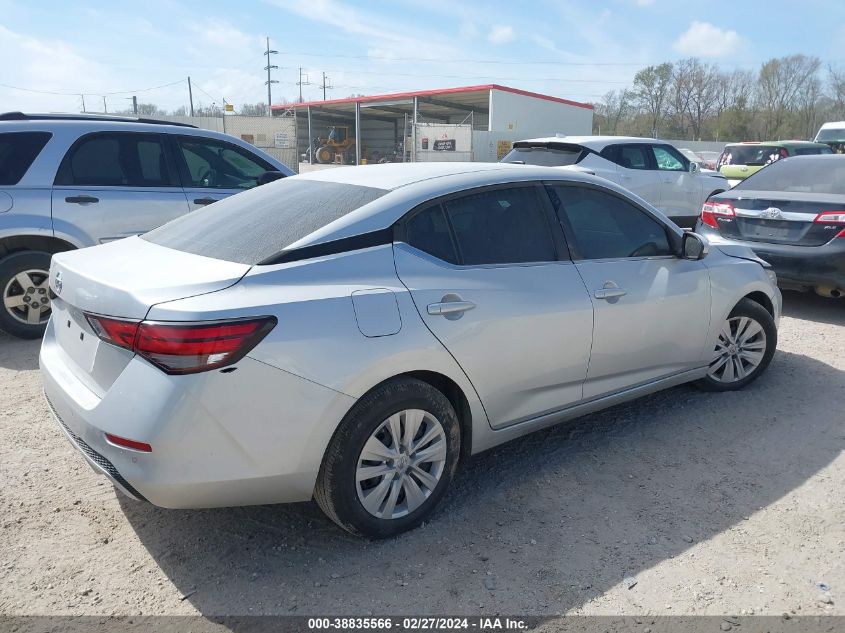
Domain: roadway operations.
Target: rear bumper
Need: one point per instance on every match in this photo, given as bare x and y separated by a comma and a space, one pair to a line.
796, 266
253, 436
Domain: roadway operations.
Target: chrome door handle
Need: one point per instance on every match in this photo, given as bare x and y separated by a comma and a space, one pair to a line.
609, 293
446, 308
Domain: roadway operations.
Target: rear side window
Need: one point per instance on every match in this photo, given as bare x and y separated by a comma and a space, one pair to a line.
429, 231
812, 151
116, 159
501, 226
18, 150
629, 156
606, 227
255, 226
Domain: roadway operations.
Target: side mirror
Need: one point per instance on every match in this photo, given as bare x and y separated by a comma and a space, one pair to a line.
269, 176
693, 168
694, 246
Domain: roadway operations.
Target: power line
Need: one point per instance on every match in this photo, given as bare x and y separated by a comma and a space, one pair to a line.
96, 93
463, 61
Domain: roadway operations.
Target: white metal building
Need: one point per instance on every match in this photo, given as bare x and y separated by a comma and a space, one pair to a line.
467, 123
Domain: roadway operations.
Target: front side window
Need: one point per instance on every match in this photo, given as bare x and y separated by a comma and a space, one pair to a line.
220, 165
123, 159
812, 151
605, 226
668, 159
428, 230
18, 150
501, 226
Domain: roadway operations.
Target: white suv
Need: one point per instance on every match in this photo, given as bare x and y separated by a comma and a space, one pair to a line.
71, 181
654, 170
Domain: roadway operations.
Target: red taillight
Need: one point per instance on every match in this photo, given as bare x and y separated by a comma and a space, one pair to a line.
115, 331
125, 443
711, 209
832, 217
184, 348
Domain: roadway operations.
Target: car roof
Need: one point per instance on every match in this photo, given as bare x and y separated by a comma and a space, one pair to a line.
592, 142
395, 175
832, 124
791, 143
411, 184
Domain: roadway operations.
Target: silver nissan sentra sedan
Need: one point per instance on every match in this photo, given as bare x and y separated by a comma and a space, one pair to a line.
352, 335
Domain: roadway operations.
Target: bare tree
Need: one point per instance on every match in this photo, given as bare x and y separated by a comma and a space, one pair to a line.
650, 87
780, 84
254, 109
837, 91
613, 108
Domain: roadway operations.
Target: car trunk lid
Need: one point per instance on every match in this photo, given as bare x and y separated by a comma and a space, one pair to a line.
781, 218
122, 279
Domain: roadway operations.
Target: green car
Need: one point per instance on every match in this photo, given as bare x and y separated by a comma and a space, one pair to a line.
740, 160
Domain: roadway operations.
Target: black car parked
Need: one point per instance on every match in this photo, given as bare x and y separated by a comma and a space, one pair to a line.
792, 214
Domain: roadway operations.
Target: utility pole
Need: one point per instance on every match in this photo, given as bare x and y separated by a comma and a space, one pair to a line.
301, 83
270, 81
324, 86
83, 102
135, 105
190, 96
105, 108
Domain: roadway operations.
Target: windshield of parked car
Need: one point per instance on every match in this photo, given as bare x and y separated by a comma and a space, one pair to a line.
255, 225
801, 175
544, 155
831, 135
753, 155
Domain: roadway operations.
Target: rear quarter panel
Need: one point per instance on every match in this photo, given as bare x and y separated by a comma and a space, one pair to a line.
318, 336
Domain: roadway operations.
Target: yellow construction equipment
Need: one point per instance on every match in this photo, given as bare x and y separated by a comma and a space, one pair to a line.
338, 147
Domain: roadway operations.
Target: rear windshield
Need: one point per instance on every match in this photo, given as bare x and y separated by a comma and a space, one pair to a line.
754, 155
17, 151
545, 156
801, 175
831, 135
253, 226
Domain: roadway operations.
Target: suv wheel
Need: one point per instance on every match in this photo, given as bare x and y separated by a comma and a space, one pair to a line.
390, 460
24, 284
744, 349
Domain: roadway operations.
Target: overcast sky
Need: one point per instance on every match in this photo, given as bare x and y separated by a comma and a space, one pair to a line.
574, 49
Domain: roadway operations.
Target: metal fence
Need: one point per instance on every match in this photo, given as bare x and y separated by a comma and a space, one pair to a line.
273, 135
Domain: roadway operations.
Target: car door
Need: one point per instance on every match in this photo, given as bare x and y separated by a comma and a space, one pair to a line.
636, 170
213, 169
112, 185
680, 195
651, 308
489, 274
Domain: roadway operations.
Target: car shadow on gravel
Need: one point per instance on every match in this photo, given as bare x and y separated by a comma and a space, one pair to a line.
540, 525
811, 307
17, 354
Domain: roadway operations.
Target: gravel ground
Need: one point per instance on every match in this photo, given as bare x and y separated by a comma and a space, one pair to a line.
679, 503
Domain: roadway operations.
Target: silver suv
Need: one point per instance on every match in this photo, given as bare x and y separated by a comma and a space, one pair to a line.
71, 181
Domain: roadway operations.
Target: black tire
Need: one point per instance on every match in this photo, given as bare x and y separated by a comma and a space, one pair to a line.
9, 267
336, 489
753, 310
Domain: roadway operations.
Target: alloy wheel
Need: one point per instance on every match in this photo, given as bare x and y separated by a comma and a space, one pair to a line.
739, 350
26, 297
401, 464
